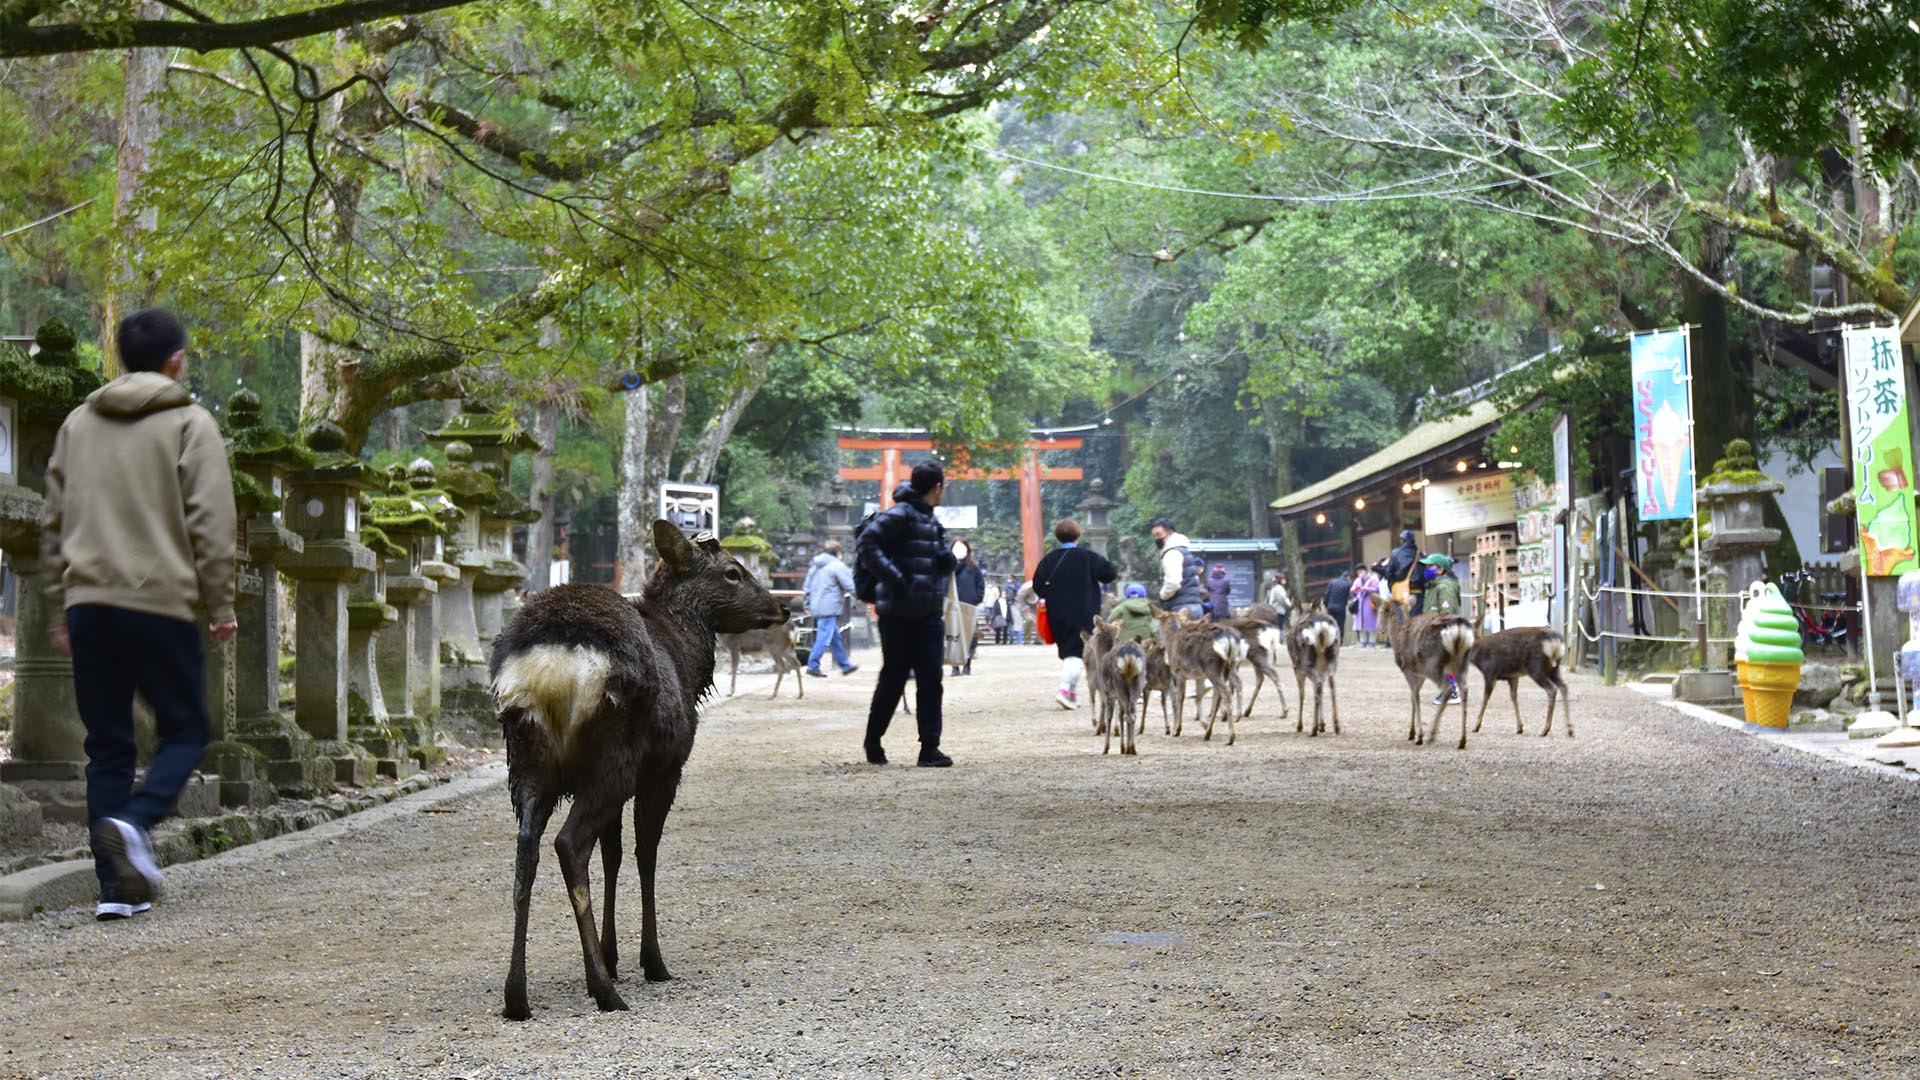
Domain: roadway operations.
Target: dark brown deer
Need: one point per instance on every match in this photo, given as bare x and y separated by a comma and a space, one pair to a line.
1313, 646
1430, 648
1534, 651
1263, 654
776, 644
598, 699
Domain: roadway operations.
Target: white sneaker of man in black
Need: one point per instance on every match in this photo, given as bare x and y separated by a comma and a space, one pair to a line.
136, 876
113, 911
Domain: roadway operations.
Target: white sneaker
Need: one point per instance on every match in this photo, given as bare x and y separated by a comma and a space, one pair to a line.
137, 877
107, 911
1067, 699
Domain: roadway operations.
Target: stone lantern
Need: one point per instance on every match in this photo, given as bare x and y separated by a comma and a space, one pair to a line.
1736, 494
323, 506
1094, 511
369, 616
263, 459
434, 567
466, 700
49, 756
411, 524
837, 511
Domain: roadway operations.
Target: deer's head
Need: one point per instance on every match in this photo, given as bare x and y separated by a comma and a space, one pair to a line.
705, 578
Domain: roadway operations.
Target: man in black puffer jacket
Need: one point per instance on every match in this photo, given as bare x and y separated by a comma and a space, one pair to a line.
906, 551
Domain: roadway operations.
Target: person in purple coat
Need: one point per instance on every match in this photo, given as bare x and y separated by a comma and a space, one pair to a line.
1220, 592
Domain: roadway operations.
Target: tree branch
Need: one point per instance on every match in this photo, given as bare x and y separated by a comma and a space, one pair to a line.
18, 39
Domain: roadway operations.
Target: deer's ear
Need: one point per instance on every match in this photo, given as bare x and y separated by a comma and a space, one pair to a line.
708, 543
672, 545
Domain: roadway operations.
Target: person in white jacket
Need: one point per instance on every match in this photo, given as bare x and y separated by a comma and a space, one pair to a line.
1180, 588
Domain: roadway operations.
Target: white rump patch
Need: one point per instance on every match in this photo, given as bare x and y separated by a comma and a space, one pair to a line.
1456, 639
1270, 640
1553, 651
557, 686
1320, 636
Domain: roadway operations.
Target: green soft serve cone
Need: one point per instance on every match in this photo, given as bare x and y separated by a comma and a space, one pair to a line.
1774, 636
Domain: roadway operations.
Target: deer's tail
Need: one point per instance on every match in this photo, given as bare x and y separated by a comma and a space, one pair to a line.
1131, 665
1230, 647
1457, 639
554, 689
1320, 636
1554, 651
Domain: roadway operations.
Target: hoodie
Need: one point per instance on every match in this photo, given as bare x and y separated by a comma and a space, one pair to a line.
139, 510
827, 585
1136, 619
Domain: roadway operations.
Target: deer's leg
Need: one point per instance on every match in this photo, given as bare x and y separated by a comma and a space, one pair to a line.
593, 810
1233, 710
779, 676
1566, 707
733, 684
533, 812
1300, 691
1179, 703
1486, 695
1319, 693
1513, 691
1259, 680
1333, 702
1413, 726
1462, 682
650, 808
610, 855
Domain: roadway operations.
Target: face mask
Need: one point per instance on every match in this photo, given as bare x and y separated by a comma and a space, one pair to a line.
1159, 542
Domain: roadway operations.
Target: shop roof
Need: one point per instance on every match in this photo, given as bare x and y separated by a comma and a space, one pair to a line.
1431, 440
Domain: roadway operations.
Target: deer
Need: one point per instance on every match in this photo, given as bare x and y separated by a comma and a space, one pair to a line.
776, 643
1124, 677
1534, 651
1313, 646
1159, 677
1430, 648
1263, 648
1209, 655
1094, 646
598, 699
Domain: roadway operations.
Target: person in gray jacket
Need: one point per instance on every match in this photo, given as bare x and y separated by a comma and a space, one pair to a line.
829, 589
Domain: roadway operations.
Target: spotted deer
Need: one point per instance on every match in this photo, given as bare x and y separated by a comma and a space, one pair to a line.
1209, 655
598, 698
776, 643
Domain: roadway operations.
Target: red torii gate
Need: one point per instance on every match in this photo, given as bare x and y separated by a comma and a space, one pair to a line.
1030, 472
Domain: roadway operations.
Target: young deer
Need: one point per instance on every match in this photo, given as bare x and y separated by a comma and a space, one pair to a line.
776, 644
1534, 651
1430, 648
1126, 666
1159, 677
1209, 655
1263, 651
1313, 645
598, 699
1094, 645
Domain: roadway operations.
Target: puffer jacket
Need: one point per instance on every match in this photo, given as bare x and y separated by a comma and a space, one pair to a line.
970, 583
906, 550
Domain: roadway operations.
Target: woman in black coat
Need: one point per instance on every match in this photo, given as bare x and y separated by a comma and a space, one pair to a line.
1069, 580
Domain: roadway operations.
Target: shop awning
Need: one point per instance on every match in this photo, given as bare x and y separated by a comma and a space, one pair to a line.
1426, 443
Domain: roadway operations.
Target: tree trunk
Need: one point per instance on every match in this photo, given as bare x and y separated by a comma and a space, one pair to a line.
1722, 394
713, 438
667, 414
139, 127
540, 534
635, 509
1283, 430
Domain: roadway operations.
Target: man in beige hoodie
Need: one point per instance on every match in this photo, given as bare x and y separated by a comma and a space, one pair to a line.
139, 545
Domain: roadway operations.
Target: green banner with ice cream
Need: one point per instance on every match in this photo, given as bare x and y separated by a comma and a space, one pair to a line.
1882, 450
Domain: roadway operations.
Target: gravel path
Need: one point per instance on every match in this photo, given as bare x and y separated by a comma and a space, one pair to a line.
1656, 897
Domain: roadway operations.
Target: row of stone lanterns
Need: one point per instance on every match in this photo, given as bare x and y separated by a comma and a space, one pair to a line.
401, 581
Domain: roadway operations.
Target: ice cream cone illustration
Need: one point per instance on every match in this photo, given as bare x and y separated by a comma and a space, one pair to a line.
1893, 469
1773, 661
1670, 441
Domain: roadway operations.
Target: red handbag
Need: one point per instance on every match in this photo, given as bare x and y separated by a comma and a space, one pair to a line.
1040, 624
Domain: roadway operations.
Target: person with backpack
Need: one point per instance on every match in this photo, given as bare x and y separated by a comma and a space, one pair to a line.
1136, 615
827, 587
1069, 579
901, 566
1220, 593
1180, 588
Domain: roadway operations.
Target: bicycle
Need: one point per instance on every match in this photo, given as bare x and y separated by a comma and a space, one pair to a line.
1827, 628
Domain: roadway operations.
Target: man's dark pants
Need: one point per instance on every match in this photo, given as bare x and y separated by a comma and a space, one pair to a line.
117, 653
909, 648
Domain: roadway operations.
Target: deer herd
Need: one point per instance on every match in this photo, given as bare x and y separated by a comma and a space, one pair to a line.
1207, 656
598, 701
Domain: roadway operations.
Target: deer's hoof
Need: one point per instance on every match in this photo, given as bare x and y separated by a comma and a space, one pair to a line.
517, 1010
610, 1002
659, 973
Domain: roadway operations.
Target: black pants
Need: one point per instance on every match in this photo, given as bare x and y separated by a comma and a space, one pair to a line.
916, 649
1067, 640
116, 653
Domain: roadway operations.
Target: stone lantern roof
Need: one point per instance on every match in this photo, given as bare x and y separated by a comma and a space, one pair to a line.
50, 383
481, 426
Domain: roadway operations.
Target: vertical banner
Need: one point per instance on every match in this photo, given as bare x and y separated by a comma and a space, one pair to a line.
1882, 450
1662, 425
1563, 508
